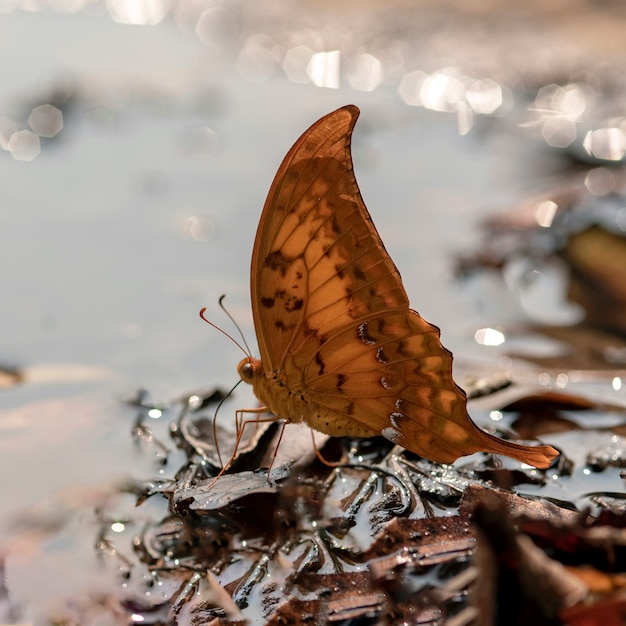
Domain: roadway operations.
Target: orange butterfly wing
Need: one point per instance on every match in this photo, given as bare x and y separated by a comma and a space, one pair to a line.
340, 348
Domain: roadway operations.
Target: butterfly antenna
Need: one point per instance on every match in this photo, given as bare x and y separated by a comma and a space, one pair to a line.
219, 406
232, 319
245, 350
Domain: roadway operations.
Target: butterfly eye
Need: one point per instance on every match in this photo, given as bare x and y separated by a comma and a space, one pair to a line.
246, 370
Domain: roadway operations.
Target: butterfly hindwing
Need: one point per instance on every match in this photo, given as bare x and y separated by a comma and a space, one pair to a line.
397, 374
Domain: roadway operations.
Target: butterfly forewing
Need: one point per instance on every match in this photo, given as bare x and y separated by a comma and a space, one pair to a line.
315, 237
278, 283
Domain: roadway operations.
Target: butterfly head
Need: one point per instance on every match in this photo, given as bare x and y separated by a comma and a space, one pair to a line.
249, 369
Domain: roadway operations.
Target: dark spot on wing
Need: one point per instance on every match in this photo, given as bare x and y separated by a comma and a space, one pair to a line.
293, 304
350, 409
268, 303
339, 271
276, 261
280, 325
381, 357
396, 418
320, 362
358, 273
363, 335
341, 379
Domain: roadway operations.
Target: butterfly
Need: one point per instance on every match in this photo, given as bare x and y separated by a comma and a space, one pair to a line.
341, 350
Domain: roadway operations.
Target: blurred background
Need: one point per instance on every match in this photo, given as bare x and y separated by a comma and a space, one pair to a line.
139, 139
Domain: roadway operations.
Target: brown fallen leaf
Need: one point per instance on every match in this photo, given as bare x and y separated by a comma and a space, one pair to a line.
611, 612
597, 262
518, 583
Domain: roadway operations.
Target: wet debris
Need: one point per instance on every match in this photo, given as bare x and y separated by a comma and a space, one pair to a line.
518, 582
385, 537
10, 376
613, 455
571, 237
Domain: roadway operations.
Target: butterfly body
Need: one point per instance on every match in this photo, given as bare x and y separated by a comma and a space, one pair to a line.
293, 404
340, 348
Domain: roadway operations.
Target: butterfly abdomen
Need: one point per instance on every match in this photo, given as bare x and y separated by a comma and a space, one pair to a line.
295, 404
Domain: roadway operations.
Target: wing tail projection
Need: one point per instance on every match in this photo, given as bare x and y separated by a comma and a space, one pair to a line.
537, 456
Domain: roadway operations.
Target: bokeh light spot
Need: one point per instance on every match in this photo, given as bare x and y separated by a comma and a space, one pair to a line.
46, 120
199, 228
559, 132
410, 87
600, 181
255, 62
442, 91
323, 69
464, 117
545, 212
364, 72
485, 96
489, 337
138, 12
216, 25
608, 144
24, 145
295, 64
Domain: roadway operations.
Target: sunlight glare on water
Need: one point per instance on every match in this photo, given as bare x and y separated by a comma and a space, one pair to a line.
558, 109
545, 212
323, 69
606, 143
138, 12
489, 337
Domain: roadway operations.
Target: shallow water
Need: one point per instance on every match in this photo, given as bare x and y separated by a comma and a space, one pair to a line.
143, 209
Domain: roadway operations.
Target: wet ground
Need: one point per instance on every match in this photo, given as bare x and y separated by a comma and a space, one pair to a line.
138, 147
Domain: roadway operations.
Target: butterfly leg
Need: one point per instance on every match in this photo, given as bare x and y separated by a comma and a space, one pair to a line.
240, 427
320, 456
280, 438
